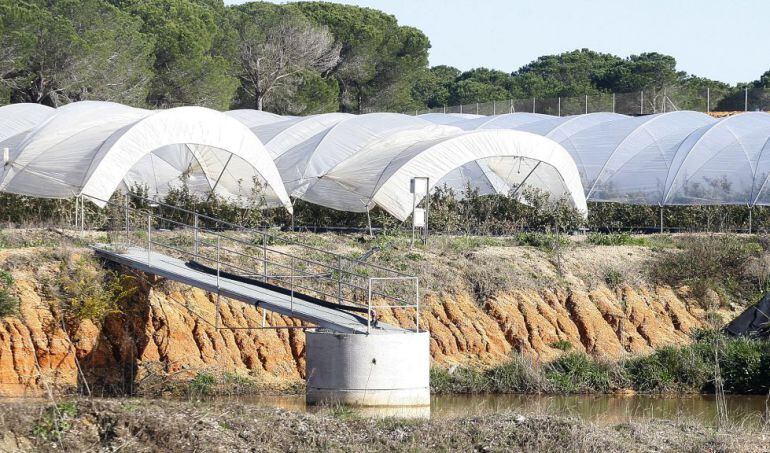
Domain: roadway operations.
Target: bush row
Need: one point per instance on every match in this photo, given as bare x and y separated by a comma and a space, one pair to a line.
744, 368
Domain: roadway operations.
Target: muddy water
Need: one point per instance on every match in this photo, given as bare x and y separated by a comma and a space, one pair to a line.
602, 408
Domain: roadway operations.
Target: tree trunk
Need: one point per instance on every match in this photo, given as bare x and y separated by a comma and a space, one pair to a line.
259, 101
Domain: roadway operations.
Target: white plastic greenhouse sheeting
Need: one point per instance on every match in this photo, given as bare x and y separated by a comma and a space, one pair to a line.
382, 176
255, 118
306, 167
448, 118
279, 137
89, 147
505, 121
620, 158
16, 120
727, 162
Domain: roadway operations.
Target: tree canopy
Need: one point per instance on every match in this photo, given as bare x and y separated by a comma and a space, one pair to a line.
297, 58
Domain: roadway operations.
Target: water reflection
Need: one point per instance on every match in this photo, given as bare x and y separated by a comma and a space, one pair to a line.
609, 409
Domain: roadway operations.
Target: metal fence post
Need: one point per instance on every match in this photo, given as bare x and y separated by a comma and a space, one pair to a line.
746, 99
641, 103
586, 104
708, 99
559, 107
613, 102
494, 107
533, 105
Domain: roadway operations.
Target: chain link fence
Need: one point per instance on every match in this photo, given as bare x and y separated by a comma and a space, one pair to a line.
642, 102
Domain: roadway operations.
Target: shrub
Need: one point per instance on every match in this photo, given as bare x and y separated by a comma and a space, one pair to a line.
614, 239
613, 278
577, 373
541, 240
716, 262
86, 292
56, 420
562, 345
9, 303
202, 384
668, 369
519, 375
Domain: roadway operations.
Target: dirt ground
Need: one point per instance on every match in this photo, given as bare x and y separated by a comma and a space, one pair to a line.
160, 425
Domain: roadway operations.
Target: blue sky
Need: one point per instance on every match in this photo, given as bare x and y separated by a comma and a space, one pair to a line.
723, 40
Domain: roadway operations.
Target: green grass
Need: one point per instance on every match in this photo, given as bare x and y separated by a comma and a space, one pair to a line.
9, 303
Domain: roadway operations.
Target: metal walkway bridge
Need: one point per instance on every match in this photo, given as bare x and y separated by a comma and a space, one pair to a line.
324, 289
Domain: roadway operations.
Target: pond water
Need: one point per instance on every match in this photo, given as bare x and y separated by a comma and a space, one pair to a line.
611, 409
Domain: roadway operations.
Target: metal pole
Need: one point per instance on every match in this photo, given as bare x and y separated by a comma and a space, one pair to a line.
216, 314
218, 266
708, 99
477, 107
661, 218
641, 104
613, 102
746, 99
264, 256
586, 104
82, 216
750, 209
339, 279
128, 236
511, 106
461, 108
427, 209
494, 107
369, 222
149, 236
196, 239
369, 307
417, 296
445, 109
292, 284
559, 108
77, 213
533, 105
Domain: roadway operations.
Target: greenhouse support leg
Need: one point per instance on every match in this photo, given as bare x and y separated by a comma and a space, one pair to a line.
750, 210
661, 219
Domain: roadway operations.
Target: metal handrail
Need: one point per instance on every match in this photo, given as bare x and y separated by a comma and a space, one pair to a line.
255, 230
264, 261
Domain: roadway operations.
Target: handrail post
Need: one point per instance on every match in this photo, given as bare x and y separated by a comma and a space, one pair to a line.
195, 233
417, 296
149, 238
218, 266
339, 279
369, 307
291, 280
264, 256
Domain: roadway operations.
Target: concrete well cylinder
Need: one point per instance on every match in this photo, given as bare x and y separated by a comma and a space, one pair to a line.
380, 369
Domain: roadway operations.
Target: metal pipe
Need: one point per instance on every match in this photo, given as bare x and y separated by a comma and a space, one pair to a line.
149, 236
